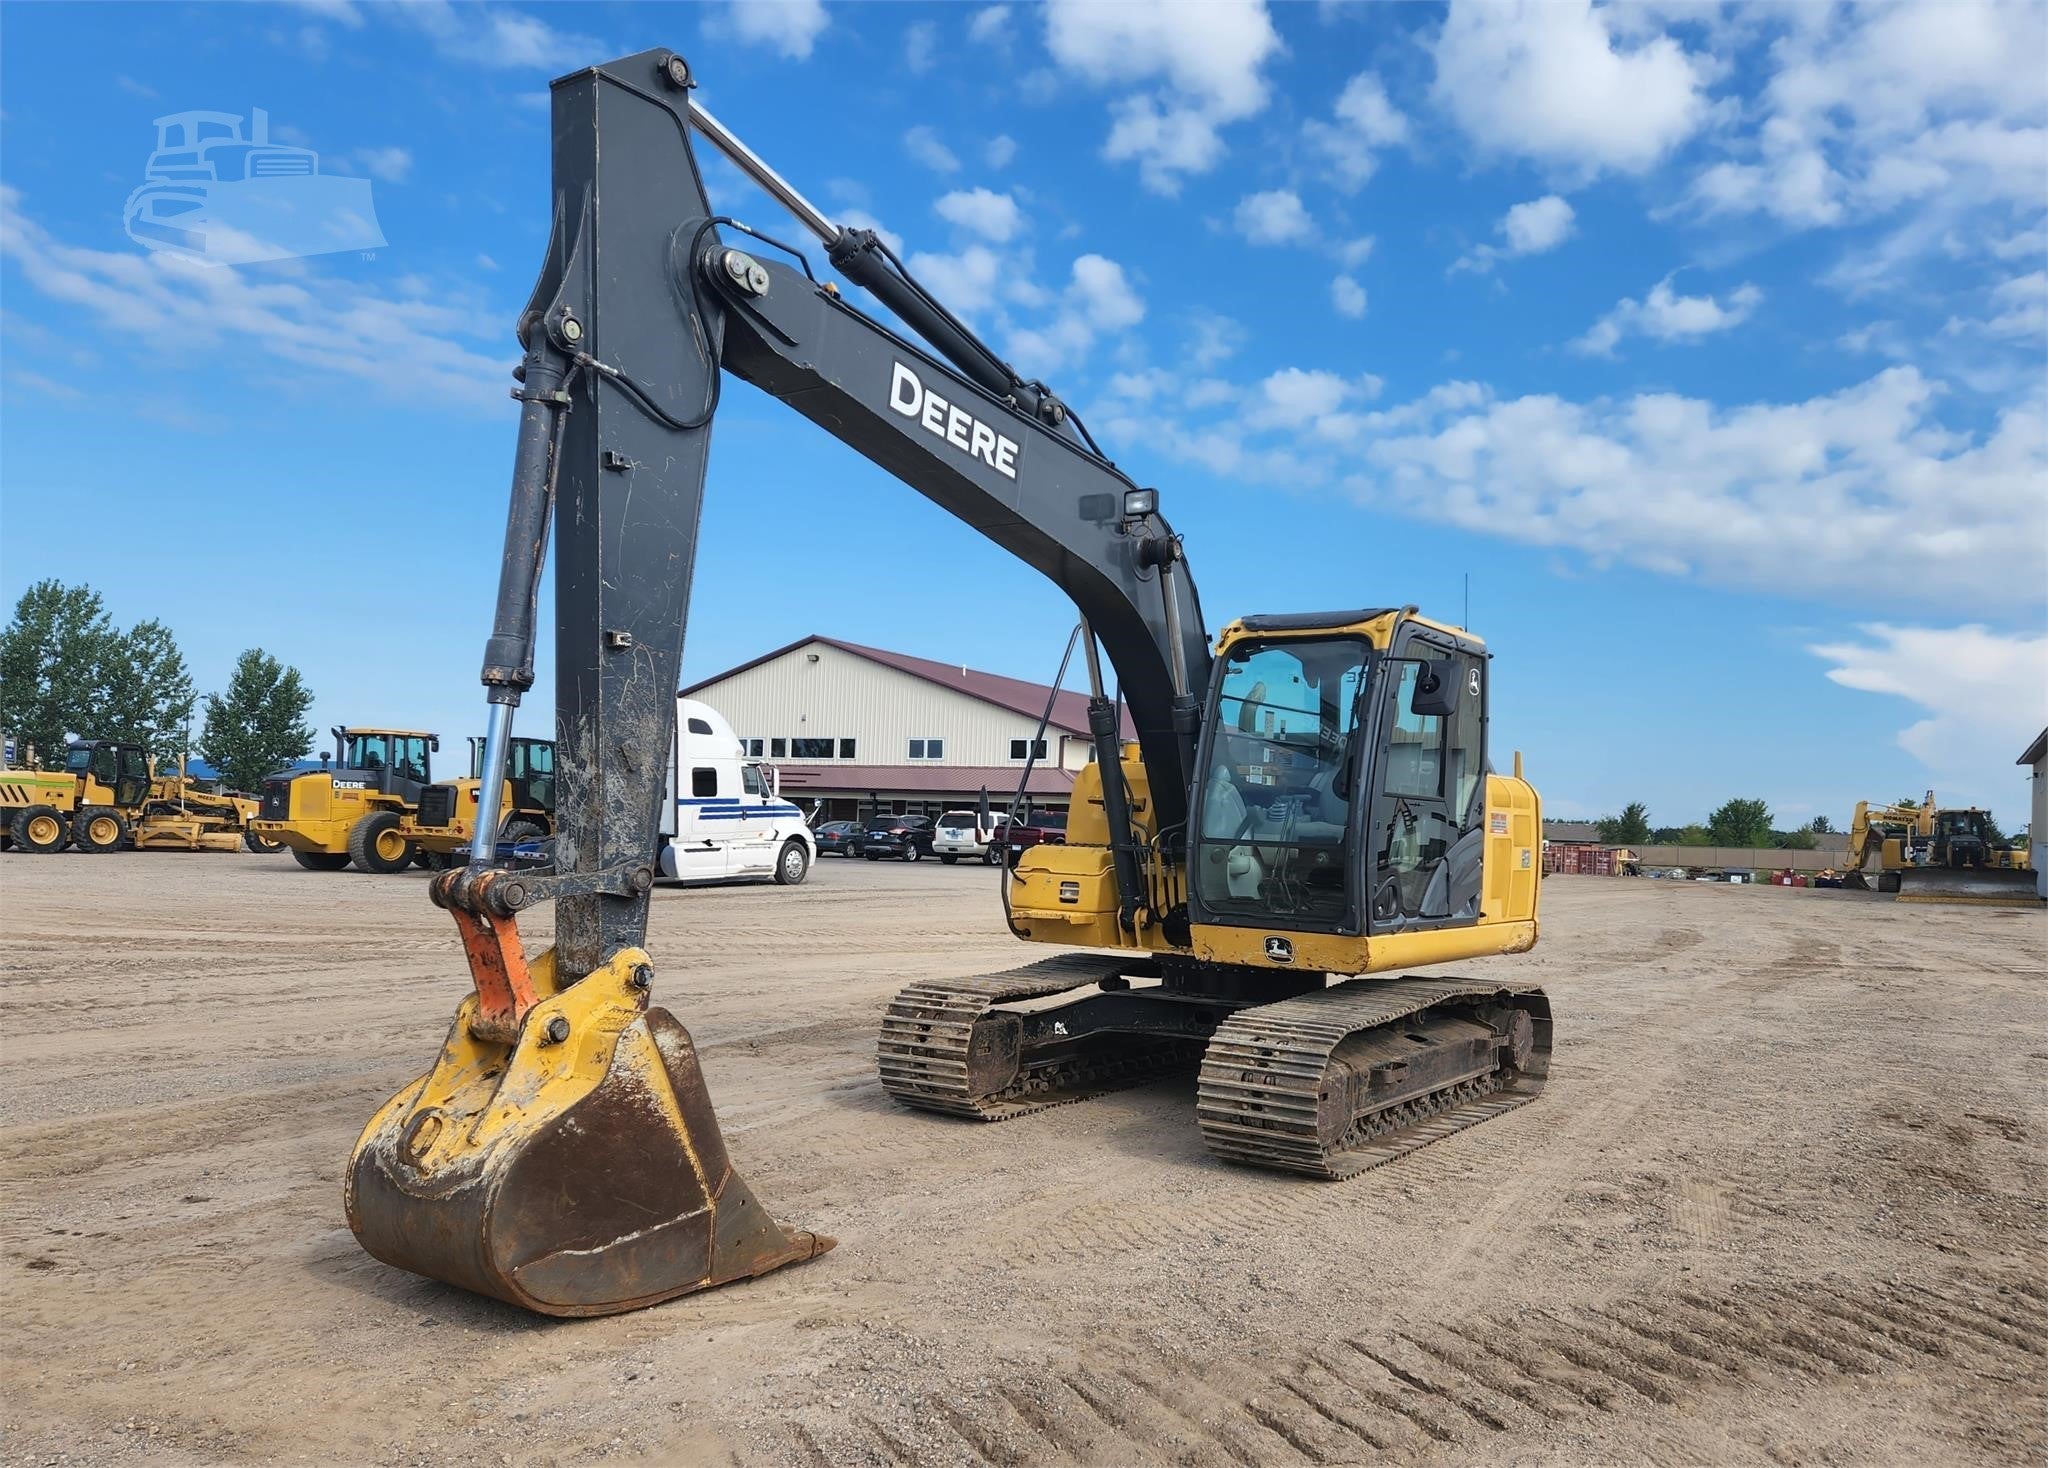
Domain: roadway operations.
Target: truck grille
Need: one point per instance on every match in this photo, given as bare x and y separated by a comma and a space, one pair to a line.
277, 800
437, 805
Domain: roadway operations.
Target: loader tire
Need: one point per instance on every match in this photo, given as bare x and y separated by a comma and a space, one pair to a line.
97, 829
255, 843
374, 844
320, 861
516, 831
41, 829
792, 864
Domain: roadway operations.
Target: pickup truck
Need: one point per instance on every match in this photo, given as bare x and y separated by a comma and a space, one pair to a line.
1049, 826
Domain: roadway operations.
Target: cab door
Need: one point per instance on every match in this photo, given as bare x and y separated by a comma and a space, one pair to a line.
703, 830
131, 781
1425, 832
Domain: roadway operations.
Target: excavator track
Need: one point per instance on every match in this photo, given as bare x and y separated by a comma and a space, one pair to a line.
934, 1053
1265, 1091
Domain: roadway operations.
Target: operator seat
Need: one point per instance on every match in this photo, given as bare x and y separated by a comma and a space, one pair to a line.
1235, 870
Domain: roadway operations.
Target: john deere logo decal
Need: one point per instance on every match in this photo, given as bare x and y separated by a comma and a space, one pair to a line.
1279, 950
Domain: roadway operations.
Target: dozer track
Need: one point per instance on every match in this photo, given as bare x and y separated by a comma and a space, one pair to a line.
936, 1052
1342, 1079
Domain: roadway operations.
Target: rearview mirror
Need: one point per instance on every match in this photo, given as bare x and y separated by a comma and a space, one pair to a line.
1436, 689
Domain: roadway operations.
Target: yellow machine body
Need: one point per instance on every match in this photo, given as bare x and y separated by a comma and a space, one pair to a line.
43, 811
442, 838
1914, 854
1066, 894
324, 807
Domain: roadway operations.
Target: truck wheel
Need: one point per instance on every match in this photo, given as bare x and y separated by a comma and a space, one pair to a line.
97, 829
949, 859
432, 861
792, 865
320, 861
516, 831
374, 844
251, 841
41, 830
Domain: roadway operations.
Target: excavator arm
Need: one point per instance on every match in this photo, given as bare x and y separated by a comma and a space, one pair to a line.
639, 307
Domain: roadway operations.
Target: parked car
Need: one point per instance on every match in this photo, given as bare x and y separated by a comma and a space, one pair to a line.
908, 838
837, 838
961, 833
1048, 826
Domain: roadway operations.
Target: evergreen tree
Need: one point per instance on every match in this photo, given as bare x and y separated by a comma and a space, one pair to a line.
1630, 828
1741, 823
259, 725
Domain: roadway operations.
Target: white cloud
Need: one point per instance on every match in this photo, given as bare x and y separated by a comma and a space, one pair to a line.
1213, 339
991, 215
1293, 397
1273, 217
990, 26
326, 326
1099, 298
1666, 316
1348, 296
924, 146
390, 164
920, 46
1549, 80
791, 27
1354, 253
2019, 312
999, 151
485, 262
1367, 124
1871, 108
1529, 229
491, 36
1203, 64
342, 12
1985, 693
965, 282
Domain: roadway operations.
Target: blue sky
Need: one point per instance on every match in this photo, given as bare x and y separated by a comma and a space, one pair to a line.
1708, 342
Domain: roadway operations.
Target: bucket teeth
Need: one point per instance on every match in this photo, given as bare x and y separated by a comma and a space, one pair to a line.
580, 1175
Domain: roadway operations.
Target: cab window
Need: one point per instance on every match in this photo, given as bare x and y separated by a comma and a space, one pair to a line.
750, 781
704, 783
409, 757
366, 751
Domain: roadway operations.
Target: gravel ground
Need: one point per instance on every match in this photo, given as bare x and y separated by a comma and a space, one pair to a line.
1782, 1201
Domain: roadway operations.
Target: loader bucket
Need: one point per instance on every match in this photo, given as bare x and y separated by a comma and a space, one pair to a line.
574, 1168
1969, 886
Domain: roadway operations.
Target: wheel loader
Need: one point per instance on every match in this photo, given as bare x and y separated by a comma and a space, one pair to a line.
445, 819
349, 810
1923, 853
109, 796
1309, 812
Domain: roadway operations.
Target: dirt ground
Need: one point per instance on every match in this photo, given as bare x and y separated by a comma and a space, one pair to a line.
1784, 1200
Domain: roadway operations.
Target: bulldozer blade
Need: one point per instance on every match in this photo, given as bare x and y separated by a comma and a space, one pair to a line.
576, 1169
1971, 886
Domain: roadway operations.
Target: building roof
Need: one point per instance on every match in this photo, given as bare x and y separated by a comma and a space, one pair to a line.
1069, 710
1570, 831
2035, 751
920, 779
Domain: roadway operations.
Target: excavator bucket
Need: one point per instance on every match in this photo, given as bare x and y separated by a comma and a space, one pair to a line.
564, 1158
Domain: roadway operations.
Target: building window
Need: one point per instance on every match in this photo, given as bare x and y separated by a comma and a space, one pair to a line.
846, 749
704, 783
754, 748
778, 749
927, 749
810, 748
1020, 748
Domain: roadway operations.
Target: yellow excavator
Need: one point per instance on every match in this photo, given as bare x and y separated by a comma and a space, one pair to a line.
1308, 813
1924, 853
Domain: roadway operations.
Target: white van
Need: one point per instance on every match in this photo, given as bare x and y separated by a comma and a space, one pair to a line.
722, 817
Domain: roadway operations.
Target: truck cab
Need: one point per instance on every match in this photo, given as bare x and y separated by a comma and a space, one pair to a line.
722, 816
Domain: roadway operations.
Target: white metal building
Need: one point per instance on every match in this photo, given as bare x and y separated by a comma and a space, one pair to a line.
2036, 760
851, 727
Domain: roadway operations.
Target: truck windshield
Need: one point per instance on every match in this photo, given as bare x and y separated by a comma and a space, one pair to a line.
1274, 801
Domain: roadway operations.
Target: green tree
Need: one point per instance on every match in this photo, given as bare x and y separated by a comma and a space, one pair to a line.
149, 694
1695, 835
1741, 823
1821, 826
54, 666
1630, 828
1799, 840
259, 725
